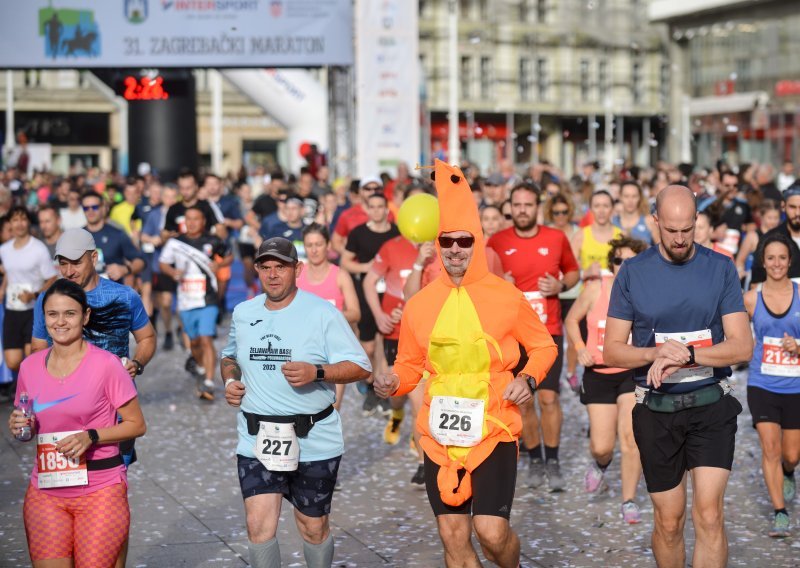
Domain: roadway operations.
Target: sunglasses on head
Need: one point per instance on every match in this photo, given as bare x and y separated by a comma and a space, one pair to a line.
463, 242
91, 208
617, 261
560, 212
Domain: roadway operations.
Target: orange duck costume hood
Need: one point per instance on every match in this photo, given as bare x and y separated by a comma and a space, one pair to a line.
459, 212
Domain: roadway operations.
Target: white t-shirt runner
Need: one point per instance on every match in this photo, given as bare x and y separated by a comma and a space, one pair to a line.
27, 269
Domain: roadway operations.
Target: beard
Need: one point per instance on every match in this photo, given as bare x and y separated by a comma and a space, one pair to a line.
679, 256
794, 224
530, 224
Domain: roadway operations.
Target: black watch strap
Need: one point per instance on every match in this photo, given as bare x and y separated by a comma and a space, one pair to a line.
531, 383
93, 436
139, 367
691, 354
320, 374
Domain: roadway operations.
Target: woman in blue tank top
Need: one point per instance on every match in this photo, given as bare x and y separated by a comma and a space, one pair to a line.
773, 385
634, 218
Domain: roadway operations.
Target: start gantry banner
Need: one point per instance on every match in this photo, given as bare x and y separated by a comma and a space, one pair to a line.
175, 33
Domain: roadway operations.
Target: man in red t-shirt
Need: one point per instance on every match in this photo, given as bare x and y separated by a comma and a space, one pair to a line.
540, 262
395, 261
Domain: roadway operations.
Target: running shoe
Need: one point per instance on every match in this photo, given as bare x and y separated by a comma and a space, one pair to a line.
574, 383
780, 526
419, 476
205, 390
631, 513
193, 368
789, 488
169, 342
536, 473
391, 434
593, 479
370, 402
384, 407
362, 386
554, 480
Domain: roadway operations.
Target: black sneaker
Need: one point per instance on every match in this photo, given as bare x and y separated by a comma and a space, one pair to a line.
205, 391
419, 477
193, 368
169, 342
370, 402
385, 407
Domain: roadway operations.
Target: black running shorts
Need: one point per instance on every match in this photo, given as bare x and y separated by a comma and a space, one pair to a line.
492, 485
670, 444
768, 406
553, 379
605, 388
17, 328
309, 488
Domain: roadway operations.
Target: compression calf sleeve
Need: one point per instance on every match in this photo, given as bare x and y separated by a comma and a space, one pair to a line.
265, 555
319, 555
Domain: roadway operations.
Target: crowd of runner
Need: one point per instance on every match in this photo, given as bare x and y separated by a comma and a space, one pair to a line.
155, 259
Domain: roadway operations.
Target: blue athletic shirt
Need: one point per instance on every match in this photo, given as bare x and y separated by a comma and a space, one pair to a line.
122, 312
639, 230
310, 330
769, 325
114, 246
661, 297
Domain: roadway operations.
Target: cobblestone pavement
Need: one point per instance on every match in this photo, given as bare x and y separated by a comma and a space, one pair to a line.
187, 509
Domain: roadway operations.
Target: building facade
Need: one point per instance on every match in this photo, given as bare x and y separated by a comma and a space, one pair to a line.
562, 80
736, 87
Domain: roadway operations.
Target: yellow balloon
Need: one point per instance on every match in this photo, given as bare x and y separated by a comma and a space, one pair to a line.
418, 218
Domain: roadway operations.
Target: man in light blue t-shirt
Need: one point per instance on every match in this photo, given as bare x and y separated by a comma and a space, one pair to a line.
286, 351
682, 304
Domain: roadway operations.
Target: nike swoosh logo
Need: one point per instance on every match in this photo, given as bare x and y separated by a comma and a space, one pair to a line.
40, 406
509, 252
256, 323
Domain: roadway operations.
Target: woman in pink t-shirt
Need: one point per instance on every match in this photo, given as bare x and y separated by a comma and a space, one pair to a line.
328, 281
76, 507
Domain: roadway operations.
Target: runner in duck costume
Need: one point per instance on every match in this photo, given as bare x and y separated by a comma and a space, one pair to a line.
464, 336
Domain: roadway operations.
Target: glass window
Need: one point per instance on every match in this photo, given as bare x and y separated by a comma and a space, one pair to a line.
466, 77
525, 79
486, 78
636, 82
664, 84
584, 80
542, 79
602, 79
541, 11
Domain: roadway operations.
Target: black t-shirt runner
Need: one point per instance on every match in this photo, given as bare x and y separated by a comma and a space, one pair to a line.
366, 243
175, 221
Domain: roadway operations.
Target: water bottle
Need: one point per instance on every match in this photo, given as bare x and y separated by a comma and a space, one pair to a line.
25, 406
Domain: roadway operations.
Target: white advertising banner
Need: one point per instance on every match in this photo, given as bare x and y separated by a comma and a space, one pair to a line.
387, 94
175, 33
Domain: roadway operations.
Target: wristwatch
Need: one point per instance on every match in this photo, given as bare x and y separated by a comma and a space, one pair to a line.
320, 374
531, 382
93, 436
139, 367
691, 354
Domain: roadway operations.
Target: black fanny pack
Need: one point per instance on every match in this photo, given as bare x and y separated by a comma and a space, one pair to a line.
676, 402
105, 463
303, 423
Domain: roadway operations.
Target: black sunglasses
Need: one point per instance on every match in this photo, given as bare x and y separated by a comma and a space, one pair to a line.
618, 261
561, 212
91, 208
463, 242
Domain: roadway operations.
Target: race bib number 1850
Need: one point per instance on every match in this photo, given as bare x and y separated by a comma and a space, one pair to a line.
54, 468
